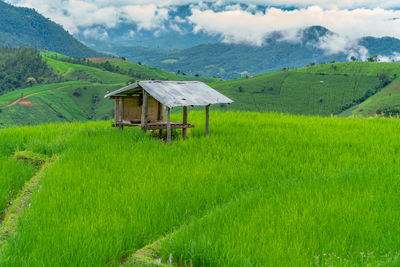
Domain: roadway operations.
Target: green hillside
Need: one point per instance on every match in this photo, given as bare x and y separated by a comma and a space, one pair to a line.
318, 90
307, 191
21, 26
339, 88
148, 73
385, 102
80, 72
23, 67
79, 95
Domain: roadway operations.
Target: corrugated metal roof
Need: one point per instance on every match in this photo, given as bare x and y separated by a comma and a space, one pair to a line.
177, 94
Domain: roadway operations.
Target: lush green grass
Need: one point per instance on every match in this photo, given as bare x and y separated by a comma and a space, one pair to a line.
388, 97
263, 189
296, 92
87, 73
355, 68
73, 101
14, 95
13, 175
148, 73
320, 90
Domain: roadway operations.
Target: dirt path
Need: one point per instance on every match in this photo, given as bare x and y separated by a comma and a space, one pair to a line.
27, 96
67, 72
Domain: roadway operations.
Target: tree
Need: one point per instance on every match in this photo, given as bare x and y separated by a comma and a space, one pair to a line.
373, 59
353, 58
31, 81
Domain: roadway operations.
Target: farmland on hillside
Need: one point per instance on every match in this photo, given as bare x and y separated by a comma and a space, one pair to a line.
385, 102
263, 189
79, 97
69, 101
318, 90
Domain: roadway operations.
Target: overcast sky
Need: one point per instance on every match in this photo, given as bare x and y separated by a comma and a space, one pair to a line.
349, 18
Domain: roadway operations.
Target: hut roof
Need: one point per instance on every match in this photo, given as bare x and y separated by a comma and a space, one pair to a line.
176, 94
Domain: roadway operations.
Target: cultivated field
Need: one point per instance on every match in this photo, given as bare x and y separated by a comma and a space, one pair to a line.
262, 190
318, 90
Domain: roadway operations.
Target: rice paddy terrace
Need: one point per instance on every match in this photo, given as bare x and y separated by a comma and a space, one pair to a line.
262, 190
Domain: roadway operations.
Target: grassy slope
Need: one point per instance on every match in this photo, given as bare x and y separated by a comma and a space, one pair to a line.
389, 96
307, 190
103, 76
61, 105
156, 73
296, 92
13, 175
357, 68
300, 91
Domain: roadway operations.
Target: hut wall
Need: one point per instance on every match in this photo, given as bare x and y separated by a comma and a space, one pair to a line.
132, 110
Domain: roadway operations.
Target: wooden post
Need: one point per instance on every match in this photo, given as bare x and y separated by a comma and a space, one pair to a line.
162, 117
120, 109
185, 114
207, 120
115, 112
160, 111
168, 126
120, 112
144, 110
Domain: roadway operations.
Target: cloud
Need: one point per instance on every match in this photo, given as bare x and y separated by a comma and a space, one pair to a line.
393, 58
147, 17
291, 3
239, 26
75, 14
96, 33
235, 23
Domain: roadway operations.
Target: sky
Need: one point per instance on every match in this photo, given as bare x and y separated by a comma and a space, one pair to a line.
350, 19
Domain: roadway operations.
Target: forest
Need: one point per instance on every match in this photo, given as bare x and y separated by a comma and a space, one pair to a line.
23, 67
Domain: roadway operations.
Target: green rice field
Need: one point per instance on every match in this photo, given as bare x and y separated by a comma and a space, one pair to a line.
261, 190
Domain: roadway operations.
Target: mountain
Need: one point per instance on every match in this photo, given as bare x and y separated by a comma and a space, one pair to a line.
25, 27
230, 61
235, 60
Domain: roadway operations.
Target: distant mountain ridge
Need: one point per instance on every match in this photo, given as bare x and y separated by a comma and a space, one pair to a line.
25, 27
232, 60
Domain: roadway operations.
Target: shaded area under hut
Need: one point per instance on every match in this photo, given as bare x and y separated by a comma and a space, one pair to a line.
144, 104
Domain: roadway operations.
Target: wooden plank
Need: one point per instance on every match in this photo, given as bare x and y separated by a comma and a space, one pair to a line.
185, 114
144, 110
173, 126
207, 120
168, 125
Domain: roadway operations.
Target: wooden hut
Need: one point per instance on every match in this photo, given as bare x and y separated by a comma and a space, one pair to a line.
144, 104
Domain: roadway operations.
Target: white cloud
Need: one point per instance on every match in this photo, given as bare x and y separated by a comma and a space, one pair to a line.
147, 17
393, 58
351, 19
96, 33
73, 14
242, 26
298, 3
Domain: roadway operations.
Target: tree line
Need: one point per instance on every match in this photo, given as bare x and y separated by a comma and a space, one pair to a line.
23, 67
